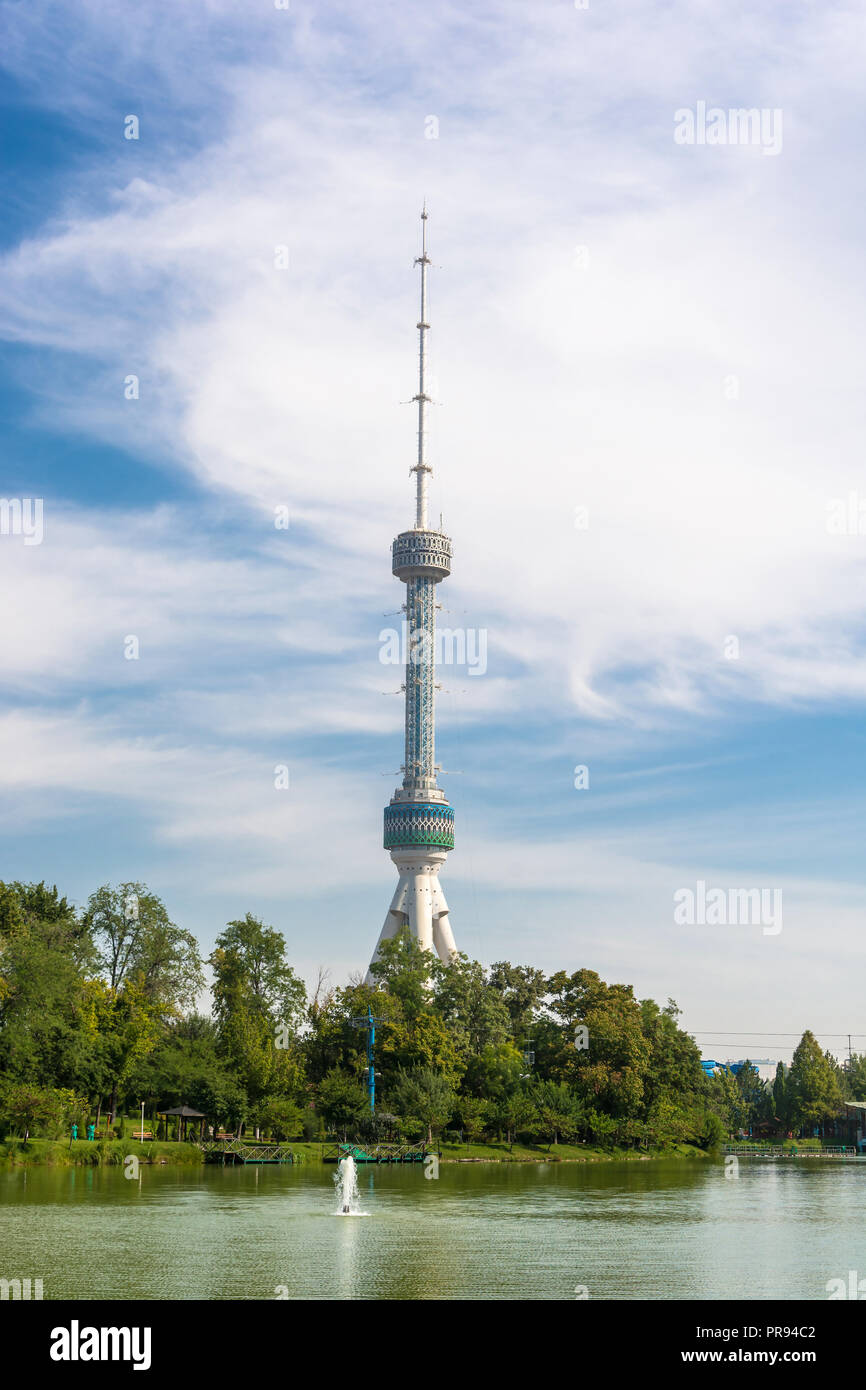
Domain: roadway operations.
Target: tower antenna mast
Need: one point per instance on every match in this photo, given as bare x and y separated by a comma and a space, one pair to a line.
422, 469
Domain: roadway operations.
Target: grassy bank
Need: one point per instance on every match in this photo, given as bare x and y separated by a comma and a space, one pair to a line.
559, 1153
60, 1153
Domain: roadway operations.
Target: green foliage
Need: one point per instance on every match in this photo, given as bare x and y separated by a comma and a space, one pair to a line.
854, 1078
473, 1115
46, 1110
137, 941
713, 1133
815, 1090
726, 1100
252, 973
95, 1019
522, 989
425, 1097
280, 1117
756, 1096
609, 1072
403, 971
342, 1101
557, 1113
781, 1097
259, 1005
474, 1013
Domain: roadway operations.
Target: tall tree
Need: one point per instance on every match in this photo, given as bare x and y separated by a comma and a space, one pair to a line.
757, 1098
472, 1009
522, 988
816, 1095
674, 1062
604, 1053
137, 939
259, 1004
781, 1100
342, 1101
45, 952
250, 967
855, 1077
425, 1096
403, 970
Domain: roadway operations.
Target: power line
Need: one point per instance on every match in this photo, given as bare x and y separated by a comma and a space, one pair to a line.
708, 1033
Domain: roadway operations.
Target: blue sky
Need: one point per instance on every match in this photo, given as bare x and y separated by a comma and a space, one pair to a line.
665, 335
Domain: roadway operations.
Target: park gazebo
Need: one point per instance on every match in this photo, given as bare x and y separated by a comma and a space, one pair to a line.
184, 1114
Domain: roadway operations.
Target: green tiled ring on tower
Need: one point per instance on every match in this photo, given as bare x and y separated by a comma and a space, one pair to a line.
419, 823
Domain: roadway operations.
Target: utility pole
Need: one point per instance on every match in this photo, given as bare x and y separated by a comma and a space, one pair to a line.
369, 1022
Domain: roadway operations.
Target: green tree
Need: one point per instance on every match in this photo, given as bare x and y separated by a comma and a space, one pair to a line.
726, 1100
473, 1011
124, 1029
251, 969
30, 1107
45, 954
186, 1067
473, 1115
280, 1116
494, 1073
781, 1097
341, 1101
674, 1062
522, 989
137, 940
558, 1113
814, 1085
756, 1097
855, 1077
259, 1004
424, 1095
403, 971
511, 1113
608, 1072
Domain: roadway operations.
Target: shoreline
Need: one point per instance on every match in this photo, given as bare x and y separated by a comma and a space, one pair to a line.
49, 1153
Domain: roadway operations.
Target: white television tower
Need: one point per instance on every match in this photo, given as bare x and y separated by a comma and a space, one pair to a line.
419, 821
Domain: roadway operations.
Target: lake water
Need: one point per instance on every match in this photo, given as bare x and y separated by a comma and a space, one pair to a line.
642, 1230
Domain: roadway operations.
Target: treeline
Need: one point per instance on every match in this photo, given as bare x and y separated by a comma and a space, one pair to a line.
98, 1014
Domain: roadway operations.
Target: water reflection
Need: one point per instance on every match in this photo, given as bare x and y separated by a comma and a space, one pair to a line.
638, 1230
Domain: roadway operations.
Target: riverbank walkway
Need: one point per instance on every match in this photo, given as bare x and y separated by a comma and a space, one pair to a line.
839, 1152
244, 1151
377, 1153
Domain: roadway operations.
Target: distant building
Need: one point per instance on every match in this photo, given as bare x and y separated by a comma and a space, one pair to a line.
764, 1066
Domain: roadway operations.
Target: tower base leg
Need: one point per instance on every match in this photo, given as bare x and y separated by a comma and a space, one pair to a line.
443, 936
419, 902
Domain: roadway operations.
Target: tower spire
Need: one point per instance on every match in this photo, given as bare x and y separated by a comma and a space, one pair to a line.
422, 469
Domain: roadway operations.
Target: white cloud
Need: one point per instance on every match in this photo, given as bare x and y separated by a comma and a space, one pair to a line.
562, 386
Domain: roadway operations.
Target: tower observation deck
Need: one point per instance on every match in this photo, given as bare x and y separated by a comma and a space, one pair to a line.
419, 820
